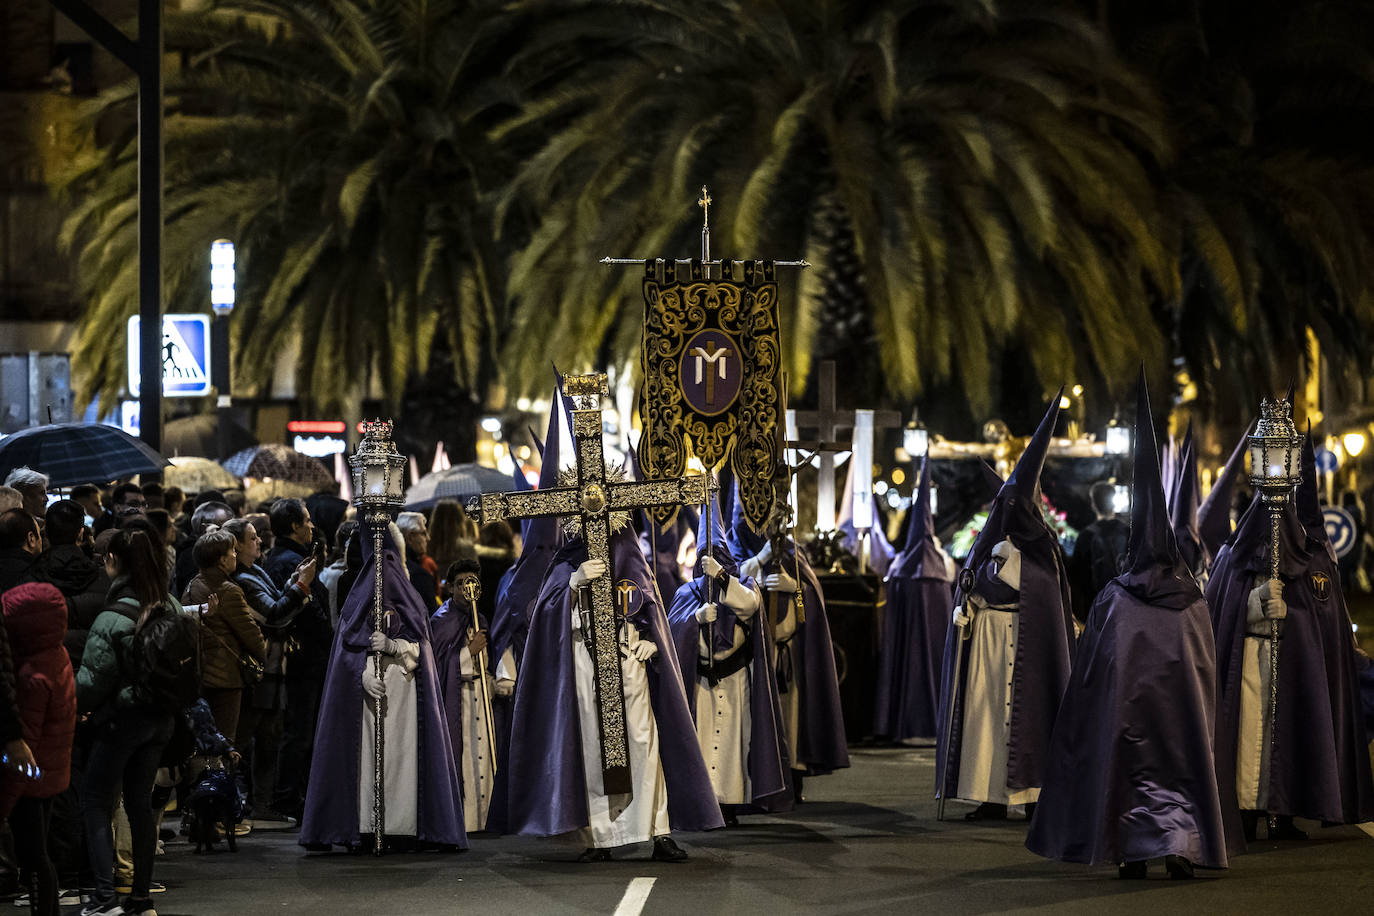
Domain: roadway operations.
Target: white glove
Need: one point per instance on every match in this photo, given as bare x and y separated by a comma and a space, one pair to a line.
710, 566
372, 684
380, 644
706, 613
584, 574
644, 650
504, 687
1271, 599
780, 582
960, 618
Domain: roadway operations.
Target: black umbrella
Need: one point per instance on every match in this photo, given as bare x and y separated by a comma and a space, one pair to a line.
199, 436
460, 482
278, 462
73, 453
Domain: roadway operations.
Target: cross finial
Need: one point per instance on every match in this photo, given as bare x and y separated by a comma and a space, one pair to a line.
705, 204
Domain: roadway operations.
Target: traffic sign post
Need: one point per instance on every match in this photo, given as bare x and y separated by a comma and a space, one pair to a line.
1340, 529
185, 356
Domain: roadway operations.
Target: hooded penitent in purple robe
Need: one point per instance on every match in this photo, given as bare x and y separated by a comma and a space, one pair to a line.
768, 766
1214, 516
548, 794
1131, 774
806, 662
880, 550
1183, 513
331, 803
1044, 633
920, 596
1319, 765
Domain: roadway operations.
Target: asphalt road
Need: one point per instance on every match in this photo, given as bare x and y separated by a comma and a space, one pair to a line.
866, 841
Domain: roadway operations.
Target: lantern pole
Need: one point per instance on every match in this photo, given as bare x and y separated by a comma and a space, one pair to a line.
1275, 469
377, 477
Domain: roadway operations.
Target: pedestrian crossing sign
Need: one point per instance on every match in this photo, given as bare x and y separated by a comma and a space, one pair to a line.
185, 356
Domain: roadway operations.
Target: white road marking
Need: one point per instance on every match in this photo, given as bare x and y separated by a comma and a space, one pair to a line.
636, 895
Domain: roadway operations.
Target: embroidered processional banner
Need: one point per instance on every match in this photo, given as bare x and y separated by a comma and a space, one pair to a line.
712, 376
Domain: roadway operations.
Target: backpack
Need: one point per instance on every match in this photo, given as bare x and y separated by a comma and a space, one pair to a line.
163, 659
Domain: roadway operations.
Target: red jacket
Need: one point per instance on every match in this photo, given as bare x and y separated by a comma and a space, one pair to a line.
36, 622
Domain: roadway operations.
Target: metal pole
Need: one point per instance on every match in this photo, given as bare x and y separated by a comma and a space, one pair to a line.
150, 220
379, 528
947, 726
219, 370
1275, 511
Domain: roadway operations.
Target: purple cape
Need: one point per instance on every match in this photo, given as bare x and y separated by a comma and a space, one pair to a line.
331, 802
768, 764
449, 634
549, 794
1044, 640
915, 624
1131, 774
1320, 766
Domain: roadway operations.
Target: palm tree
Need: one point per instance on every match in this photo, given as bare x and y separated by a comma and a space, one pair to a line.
341, 145
977, 176
1272, 184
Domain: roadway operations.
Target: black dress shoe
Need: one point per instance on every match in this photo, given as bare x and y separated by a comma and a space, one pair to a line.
987, 811
1284, 829
318, 847
1132, 871
1030, 810
592, 854
665, 850
1179, 868
731, 818
1249, 820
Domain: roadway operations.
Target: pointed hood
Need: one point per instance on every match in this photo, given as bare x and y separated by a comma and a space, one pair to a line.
1168, 464
1214, 516
743, 540
1024, 480
522, 484
548, 469
880, 550
1183, 511
992, 480
711, 529
1155, 572
538, 443
922, 557
1308, 504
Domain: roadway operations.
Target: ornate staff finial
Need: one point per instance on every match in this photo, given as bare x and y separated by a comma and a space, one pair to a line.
705, 204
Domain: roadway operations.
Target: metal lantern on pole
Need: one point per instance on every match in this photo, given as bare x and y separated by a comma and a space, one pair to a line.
916, 438
1275, 470
1118, 440
379, 490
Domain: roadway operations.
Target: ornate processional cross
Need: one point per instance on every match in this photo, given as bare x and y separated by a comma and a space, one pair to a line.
592, 501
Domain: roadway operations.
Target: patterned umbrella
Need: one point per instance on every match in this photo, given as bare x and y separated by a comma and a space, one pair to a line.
73, 453
460, 482
277, 462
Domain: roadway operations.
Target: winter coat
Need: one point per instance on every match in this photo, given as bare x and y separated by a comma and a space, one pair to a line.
276, 606
16, 568
35, 620
229, 633
313, 629
82, 581
102, 685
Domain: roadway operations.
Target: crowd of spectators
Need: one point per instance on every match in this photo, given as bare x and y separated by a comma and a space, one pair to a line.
95, 750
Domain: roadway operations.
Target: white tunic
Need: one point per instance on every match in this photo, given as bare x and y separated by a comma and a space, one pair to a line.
399, 765
722, 712
619, 820
988, 692
1253, 744
478, 773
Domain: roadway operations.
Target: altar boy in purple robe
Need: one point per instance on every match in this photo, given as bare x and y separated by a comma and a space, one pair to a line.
1131, 775
920, 594
794, 611
1014, 629
422, 794
730, 683
555, 781
1319, 766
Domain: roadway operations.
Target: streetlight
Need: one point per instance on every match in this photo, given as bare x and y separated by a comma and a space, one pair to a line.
1275, 469
222, 302
1118, 438
378, 490
916, 438
1354, 443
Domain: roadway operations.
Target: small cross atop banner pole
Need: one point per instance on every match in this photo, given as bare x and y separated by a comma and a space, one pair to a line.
711, 366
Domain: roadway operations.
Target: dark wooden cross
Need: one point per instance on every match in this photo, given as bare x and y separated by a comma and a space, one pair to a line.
592, 501
828, 420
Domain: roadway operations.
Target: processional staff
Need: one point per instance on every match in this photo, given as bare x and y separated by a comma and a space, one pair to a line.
378, 482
